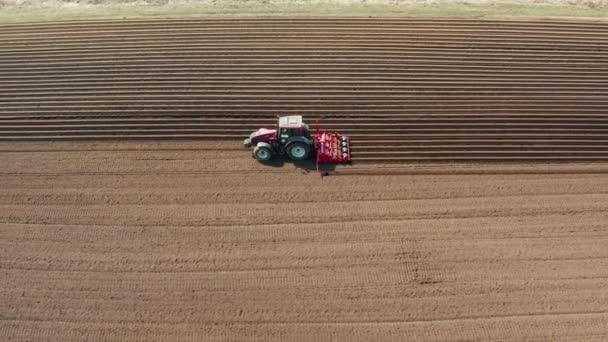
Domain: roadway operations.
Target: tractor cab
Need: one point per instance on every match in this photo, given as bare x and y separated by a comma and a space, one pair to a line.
292, 126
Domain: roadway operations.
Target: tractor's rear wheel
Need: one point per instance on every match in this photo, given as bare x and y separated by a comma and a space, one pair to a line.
262, 153
298, 151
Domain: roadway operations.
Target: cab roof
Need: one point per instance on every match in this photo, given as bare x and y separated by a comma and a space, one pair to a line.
292, 121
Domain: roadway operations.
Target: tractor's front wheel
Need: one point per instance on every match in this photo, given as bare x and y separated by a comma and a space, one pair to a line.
298, 151
262, 153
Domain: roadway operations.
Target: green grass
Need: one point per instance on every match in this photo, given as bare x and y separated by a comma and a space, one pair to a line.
49, 10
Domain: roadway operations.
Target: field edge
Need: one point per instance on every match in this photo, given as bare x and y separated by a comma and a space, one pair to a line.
24, 12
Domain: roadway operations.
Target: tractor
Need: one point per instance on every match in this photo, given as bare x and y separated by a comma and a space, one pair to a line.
292, 137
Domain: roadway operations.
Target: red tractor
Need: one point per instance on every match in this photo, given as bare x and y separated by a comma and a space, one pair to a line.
293, 138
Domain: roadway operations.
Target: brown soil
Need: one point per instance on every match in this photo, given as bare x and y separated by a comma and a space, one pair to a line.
194, 240
404, 89
180, 241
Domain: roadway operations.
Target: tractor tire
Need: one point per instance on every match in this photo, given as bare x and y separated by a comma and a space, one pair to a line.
262, 153
298, 151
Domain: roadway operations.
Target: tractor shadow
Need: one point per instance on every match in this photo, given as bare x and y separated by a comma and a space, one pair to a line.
306, 166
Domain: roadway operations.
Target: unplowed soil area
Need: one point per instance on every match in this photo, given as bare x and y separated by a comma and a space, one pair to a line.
191, 241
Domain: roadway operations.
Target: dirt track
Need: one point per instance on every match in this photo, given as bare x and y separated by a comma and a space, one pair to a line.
404, 89
173, 241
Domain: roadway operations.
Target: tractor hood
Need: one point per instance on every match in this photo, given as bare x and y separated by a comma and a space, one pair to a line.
261, 132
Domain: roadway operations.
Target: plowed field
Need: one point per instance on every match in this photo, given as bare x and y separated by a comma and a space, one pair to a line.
190, 239
404, 89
